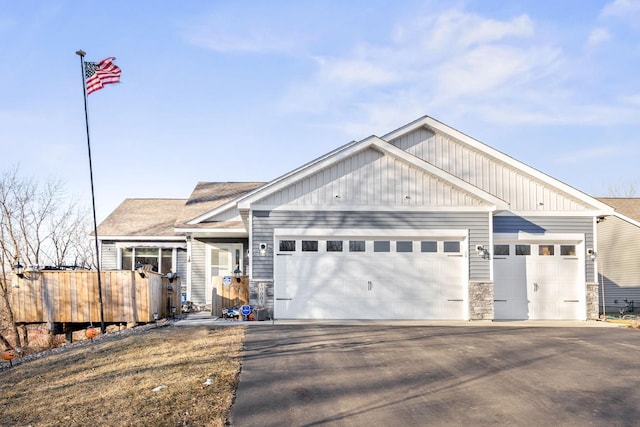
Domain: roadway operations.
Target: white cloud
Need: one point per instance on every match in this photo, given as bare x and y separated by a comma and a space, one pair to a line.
626, 9
598, 36
456, 64
490, 67
249, 42
354, 71
587, 154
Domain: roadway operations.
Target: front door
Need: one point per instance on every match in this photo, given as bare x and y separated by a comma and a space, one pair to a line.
223, 259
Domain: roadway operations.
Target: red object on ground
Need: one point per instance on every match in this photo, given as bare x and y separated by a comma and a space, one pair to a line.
8, 355
91, 332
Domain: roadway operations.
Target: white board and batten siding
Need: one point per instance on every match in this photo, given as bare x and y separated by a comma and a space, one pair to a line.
524, 192
369, 178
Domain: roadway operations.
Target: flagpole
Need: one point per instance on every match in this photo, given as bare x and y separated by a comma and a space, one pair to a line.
81, 54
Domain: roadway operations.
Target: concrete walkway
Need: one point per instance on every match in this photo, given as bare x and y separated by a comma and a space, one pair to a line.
206, 318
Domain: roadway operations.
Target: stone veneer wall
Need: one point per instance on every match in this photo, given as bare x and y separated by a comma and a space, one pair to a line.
261, 294
481, 301
593, 302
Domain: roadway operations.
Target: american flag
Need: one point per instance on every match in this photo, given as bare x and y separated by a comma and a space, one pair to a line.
101, 73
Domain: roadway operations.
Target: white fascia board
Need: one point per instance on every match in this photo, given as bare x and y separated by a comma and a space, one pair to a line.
394, 151
553, 213
304, 171
357, 208
440, 127
369, 232
220, 232
627, 219
207, 215
138, 238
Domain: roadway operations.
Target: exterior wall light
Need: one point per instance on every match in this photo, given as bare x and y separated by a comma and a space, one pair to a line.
171, 276
19, 270
140, 269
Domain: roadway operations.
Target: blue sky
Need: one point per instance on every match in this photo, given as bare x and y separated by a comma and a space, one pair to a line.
249, 90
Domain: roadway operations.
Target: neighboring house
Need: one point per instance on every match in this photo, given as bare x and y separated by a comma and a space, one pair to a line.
619, 255
422, 223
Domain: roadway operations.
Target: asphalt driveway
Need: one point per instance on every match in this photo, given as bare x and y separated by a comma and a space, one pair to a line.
395, 374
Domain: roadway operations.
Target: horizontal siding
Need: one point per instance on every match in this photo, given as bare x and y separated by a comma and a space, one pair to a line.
369, 178
547, 224
198, 273
108, 256
618, 262
264, 224
523, 192
181, 264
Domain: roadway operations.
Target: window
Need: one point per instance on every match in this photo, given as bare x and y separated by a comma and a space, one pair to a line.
545, 250
428, 246
166, 260
568, 250
523, 249
334, 245
159, 260
452, 246
500, 249
356, 246
381, 246
404, 246
287, 245
309, 246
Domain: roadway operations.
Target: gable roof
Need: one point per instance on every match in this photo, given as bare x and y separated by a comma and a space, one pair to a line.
626, 208
207, 197
142, 218
436, 126
355, 147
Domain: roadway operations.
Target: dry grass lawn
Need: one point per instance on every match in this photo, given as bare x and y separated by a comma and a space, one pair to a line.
110, 382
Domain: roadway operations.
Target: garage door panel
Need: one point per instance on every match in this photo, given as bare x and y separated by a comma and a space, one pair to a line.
538, 287
370, 285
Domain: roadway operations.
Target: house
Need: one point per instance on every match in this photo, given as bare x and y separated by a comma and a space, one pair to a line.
618, 261
424, 222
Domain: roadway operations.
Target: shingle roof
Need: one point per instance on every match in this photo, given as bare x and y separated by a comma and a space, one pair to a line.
142, 217
159, 217
627, 206
208, 196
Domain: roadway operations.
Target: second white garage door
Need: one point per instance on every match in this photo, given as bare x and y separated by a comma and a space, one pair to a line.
539, 281
370, 277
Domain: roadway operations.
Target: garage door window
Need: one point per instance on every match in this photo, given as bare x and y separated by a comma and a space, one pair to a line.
523, 249
404, 246
381, 246
545, 250
309, 246
568, 250
356, 246
287, 245
501, 250
452, 246
428, 246
334, 245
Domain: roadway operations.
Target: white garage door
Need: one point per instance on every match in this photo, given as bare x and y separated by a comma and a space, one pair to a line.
370, 278
538, 281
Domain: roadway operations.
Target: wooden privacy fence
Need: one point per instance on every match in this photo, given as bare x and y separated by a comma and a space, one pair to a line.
229, 295
72, 297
